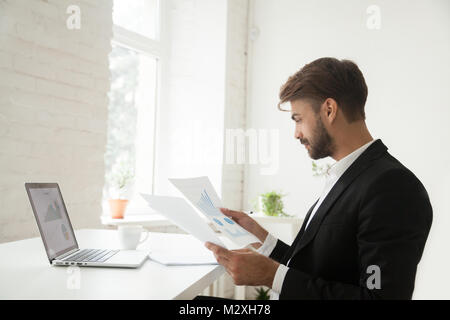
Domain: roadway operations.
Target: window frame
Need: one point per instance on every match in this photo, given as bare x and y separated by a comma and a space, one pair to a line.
155, 49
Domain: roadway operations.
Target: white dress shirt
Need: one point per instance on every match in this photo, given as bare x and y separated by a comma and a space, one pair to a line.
332, 176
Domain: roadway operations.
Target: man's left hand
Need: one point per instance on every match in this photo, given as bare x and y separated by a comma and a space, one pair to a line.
245, 266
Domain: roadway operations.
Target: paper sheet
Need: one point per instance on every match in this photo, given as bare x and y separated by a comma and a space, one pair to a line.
183, 215
179, 259
202, 195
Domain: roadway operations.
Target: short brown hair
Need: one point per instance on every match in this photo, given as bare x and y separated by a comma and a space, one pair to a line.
329, 78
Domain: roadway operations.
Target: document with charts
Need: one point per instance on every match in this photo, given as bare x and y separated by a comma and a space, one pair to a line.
202, 195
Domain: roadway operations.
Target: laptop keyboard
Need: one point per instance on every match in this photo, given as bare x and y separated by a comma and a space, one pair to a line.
91, 255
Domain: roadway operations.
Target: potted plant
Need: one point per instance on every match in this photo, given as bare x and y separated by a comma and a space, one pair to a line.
271, 204
320, 170
262, 293
120, 181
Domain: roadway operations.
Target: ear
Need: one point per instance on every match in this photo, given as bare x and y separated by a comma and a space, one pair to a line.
329, 108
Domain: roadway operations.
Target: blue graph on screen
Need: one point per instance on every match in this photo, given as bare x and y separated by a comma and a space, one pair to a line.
206, 206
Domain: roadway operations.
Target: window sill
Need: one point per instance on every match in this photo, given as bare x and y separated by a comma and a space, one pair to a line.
147, 220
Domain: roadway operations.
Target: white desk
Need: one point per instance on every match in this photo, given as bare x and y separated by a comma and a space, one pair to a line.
25, 272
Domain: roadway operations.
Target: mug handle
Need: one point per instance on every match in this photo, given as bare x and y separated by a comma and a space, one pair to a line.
146, 236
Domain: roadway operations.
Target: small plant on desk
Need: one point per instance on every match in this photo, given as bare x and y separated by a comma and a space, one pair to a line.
120, 181
271, 204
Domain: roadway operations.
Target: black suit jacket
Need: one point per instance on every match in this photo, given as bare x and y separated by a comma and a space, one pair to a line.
377, 214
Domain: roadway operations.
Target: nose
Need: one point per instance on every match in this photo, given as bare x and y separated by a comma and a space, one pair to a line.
298, 134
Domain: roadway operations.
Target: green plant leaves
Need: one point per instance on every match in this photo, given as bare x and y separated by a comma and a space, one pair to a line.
272, 204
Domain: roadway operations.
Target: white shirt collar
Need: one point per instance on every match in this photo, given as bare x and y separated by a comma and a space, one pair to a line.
337, 169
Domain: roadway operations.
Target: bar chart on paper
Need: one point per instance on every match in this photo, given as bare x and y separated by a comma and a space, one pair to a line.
200, 192
223, 223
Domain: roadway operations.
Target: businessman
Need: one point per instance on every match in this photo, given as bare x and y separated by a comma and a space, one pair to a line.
364, 236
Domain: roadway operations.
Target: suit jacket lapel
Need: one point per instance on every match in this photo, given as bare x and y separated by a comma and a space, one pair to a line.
374, 151
288, 254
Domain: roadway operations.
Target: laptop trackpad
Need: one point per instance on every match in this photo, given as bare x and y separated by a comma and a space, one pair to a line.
132, 257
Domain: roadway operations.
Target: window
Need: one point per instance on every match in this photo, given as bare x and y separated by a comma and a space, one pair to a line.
139, 16
135, 66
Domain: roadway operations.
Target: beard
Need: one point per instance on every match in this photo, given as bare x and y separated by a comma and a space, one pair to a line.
321, 144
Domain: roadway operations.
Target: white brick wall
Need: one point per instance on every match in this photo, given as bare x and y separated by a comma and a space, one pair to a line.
53, 108
235, 109
235, 96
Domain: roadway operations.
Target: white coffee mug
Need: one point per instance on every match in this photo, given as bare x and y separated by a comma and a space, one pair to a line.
130, 236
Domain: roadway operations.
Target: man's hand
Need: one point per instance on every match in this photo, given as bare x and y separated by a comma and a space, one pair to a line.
247, 223
246, 266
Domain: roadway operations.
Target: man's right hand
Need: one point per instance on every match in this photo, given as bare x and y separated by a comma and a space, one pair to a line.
246, 222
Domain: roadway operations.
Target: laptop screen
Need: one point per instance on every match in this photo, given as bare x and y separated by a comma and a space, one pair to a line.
52, 218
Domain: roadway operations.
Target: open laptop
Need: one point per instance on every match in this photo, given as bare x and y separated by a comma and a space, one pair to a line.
58, 236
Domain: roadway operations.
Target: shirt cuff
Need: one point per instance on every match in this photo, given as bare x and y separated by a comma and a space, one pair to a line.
267, 247
279, 278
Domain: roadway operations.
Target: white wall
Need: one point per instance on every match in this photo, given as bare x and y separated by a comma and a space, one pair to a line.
406, 67
190, 119
203, 94
53, 108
